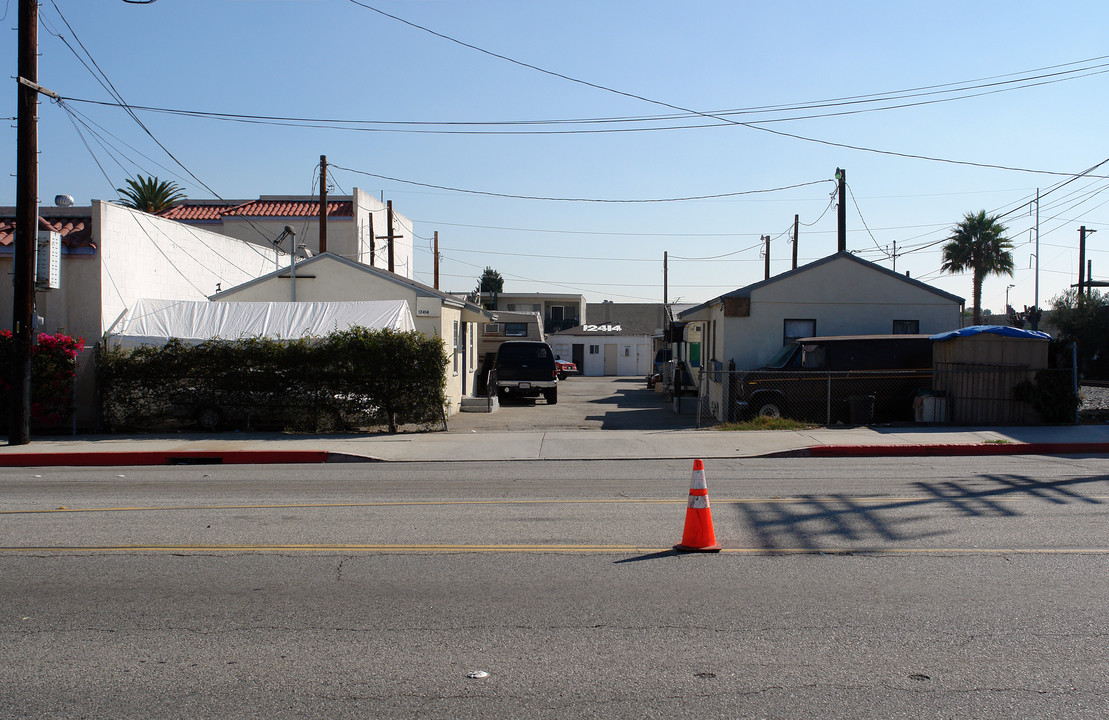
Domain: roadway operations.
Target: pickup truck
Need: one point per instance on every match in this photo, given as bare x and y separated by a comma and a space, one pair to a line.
525, 369
850, 378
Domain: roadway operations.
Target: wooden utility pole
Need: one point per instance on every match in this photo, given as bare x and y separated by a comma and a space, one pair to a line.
1083, 279
323, 204
796, 226
26, 224
766, 253
373, 242
665, 279
436, 286
841, 176
389, 219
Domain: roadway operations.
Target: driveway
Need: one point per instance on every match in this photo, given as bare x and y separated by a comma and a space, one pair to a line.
586, 403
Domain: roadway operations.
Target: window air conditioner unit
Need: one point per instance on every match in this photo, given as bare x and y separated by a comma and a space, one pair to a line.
491, 329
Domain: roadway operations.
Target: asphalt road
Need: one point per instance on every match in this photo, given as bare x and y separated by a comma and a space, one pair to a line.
955, 588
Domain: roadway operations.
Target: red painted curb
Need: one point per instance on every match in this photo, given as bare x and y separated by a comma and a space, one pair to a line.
160, 457
956, 449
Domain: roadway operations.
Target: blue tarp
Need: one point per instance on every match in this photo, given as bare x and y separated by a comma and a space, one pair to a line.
1003, 330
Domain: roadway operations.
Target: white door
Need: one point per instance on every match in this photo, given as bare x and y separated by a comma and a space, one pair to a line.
610, 359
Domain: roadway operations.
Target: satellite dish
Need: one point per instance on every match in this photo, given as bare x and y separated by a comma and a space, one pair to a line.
63, 200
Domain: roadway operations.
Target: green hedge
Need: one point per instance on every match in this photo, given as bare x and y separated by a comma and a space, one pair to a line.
352, 379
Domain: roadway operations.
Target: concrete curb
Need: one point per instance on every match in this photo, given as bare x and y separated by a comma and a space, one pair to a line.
950, 450
163, 457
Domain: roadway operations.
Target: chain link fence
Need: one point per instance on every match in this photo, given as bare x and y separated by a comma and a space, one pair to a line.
954, 393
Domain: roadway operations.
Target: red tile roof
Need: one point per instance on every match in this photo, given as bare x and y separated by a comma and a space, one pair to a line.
75, 231
200, 212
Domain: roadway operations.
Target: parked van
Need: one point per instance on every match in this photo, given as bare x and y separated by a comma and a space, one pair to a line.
856, 379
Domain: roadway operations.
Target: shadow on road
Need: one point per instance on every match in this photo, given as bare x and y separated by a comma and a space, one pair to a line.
812, 522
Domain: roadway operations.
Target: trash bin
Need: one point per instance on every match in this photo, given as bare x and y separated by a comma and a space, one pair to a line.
861, 409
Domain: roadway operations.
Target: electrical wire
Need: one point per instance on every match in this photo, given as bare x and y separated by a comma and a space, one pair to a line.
671, 106
107, 84
579, 199
860, 212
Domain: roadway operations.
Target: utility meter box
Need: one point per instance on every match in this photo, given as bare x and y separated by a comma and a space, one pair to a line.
48, 261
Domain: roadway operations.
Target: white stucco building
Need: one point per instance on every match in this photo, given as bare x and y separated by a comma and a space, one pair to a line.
605, 349
111, 257
357, 225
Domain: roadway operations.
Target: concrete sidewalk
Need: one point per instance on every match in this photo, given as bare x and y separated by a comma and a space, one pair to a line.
241, 448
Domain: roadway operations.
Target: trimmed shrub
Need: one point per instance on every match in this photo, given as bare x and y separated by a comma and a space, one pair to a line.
355, 378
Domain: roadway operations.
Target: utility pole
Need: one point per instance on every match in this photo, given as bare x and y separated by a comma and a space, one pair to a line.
796, 226
766, 253
26, 224
373, 242
1036, 300
1083, 280
323, 204
841, 176
389, 220
436, 286
665, 280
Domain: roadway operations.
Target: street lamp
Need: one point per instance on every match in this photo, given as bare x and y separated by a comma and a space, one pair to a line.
1007, 297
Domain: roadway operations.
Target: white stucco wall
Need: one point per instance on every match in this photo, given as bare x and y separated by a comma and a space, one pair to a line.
842, 296
365, 206
633, 353
145, 256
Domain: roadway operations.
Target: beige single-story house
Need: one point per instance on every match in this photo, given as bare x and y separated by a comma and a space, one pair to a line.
837, 295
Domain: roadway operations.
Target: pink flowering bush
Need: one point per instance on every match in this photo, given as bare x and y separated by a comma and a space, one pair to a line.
53, 371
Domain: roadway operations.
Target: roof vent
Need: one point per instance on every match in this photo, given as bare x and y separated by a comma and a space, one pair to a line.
63, 200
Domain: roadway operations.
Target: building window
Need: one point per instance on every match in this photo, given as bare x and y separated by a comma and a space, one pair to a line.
455, 346
794, 329
906, 327
594, 349
516, 329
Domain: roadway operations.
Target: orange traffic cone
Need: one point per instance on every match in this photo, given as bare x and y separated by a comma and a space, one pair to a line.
698, 535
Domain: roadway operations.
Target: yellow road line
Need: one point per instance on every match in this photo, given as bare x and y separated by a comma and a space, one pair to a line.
596, 501
325, 548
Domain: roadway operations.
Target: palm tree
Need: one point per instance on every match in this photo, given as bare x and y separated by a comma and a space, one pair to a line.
978, 244
150, 194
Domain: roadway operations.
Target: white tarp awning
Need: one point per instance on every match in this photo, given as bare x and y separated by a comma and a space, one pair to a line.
154, 322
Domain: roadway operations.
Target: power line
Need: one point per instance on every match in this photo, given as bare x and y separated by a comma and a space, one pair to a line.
402, 126
753, 126
715, 196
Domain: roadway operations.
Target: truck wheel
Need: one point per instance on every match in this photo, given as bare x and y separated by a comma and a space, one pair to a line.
769, 408
551, 395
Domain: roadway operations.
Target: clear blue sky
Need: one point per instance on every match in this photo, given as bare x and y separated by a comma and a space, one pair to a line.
335, 60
